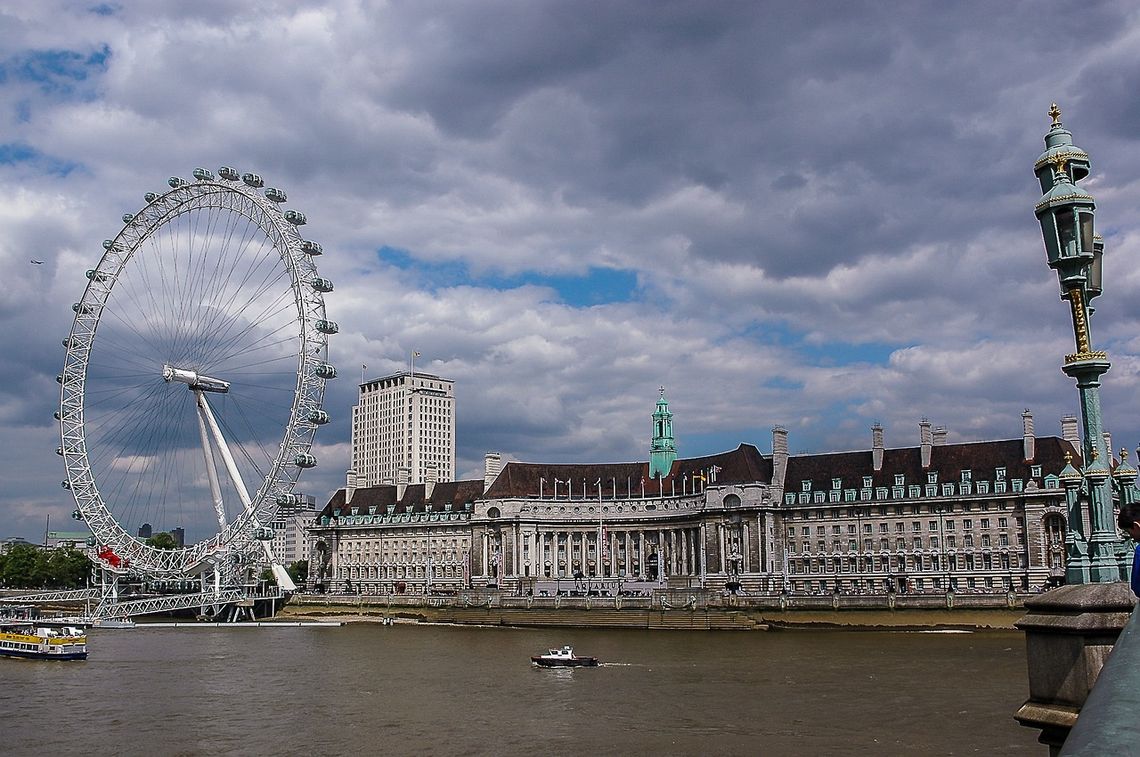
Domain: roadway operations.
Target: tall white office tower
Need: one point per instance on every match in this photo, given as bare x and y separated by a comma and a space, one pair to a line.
403, 430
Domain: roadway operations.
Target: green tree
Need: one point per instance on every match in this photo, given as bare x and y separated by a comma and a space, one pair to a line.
162, 540
67, 568
23, 567
298, 571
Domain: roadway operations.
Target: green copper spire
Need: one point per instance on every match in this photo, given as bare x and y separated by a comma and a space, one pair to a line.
663, 450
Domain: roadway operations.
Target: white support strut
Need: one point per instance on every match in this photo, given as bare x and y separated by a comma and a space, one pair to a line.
211, 469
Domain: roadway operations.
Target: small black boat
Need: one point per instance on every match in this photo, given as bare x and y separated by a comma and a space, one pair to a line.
563, 658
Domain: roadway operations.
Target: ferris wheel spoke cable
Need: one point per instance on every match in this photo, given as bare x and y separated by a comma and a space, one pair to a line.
273, 306
221, 327
232, 348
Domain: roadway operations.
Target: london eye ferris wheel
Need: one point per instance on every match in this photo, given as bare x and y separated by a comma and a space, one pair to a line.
194, 378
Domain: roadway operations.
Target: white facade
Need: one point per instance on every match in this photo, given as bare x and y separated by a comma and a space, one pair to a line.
403, 430
291, 541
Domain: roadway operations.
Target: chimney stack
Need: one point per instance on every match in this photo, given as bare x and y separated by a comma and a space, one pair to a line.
877, 446
939, 436
779, 457
349, 485
1070, 432
403, 474
431, 476
926, 441
492, 467
1027, 432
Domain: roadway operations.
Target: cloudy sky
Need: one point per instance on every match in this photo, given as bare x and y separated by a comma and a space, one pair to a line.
818, 215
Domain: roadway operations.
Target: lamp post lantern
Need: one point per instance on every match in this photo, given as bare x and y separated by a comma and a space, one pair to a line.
1072, 249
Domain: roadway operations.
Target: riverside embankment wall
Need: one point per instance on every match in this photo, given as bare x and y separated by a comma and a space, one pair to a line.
919, 612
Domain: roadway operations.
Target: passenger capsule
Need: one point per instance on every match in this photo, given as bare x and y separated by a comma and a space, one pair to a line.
318, 417
150, 197
229, 174
253, 180
201, 174
81, 307
57, 415
326, 371
295, 217
91, 542
287, 500
322, 285
311, 248
327, 327
66, 485
176, 182
59, 451
263, 533
76, 514
94, 275
128, 217
59, 378
273, 194
109, 244
304, 460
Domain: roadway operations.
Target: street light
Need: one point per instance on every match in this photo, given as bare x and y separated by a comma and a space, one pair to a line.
1072, 249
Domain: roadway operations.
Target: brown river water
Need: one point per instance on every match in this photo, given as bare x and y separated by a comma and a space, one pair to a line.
445, 690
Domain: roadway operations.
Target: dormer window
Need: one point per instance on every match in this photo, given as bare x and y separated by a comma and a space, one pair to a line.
836, 483
967, 476
1035, 471
999, 474
866, 482
806, 486
900, 479
932, 478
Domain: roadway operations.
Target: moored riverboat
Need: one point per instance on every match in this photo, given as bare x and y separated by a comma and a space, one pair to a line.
39, 640
563, 658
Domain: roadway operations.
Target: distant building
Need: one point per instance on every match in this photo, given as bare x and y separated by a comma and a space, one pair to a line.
13, 541
179, 535
76, 539
937, 517
403, 430
145, 531
291, 542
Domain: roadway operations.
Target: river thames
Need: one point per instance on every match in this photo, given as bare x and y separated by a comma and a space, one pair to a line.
422, 689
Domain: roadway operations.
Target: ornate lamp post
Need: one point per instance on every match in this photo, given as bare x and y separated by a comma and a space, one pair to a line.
1066, 215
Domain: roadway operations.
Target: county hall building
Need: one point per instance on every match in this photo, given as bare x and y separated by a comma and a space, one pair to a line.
985, 517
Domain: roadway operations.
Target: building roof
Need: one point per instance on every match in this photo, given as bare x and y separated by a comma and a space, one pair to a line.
384, 499
947, 460
742, 465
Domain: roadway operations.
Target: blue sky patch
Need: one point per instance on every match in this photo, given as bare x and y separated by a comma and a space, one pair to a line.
822, 353
55, 71
598, 286
14, 153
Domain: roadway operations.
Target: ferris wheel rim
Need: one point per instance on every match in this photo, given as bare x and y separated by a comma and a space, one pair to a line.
237, 537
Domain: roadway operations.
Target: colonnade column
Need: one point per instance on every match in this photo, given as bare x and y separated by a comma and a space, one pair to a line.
486, 552
640, 553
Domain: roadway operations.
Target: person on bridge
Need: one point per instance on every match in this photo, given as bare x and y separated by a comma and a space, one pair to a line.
1129, 523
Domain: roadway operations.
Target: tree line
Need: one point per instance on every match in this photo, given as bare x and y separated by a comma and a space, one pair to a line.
26, 566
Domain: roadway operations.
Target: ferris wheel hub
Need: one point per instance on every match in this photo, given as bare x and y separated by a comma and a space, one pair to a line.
194, 380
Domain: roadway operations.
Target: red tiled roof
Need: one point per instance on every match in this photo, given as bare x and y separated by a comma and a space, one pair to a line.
383, 498
947, 460
744, 464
